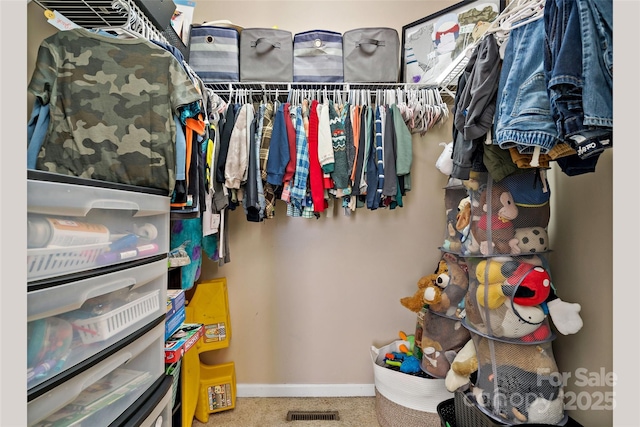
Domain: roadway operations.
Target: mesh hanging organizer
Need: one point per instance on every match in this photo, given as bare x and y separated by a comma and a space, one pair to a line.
488, 218
499, 229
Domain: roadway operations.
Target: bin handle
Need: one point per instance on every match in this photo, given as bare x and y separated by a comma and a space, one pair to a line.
114, 204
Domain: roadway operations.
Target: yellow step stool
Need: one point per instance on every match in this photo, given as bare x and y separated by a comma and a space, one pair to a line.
217, 390
209, 305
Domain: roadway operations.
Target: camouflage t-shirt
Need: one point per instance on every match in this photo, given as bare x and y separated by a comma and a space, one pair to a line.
112, 103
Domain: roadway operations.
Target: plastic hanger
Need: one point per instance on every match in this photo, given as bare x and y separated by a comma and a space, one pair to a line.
516, 14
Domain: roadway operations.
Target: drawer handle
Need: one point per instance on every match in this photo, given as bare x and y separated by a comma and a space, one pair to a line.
115, 204
116, 285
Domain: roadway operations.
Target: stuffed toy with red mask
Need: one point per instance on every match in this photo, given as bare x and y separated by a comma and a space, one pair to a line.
530, 284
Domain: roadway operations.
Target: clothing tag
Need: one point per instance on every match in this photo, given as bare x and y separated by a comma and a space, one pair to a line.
59, 21
543, 176
215, 221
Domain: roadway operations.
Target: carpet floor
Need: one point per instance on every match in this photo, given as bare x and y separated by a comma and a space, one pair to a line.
272, 412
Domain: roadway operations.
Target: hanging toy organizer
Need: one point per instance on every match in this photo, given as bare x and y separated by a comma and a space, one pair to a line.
500, 230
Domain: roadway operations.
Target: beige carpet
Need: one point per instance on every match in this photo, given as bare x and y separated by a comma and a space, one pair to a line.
272, 412
353, 412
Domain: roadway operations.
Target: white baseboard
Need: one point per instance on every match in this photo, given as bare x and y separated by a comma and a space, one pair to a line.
305, 390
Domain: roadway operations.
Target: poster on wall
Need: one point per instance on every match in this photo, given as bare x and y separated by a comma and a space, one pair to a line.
182, 19
433, 46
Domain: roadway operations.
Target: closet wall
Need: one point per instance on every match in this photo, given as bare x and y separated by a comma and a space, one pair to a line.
309, 297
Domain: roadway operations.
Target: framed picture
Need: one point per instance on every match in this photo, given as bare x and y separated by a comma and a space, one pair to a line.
434, 46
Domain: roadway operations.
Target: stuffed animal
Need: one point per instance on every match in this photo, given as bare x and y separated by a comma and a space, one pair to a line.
516, 395
462, 365
532, 239
530, 284
469, 245
454, 286
531, 194
416, 302
489, 293
517, 382
516, 322
499, 210
455, 214
442, 290
441, 335
453, 239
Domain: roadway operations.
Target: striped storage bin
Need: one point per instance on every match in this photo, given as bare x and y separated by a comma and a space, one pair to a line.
214, 53
317, 56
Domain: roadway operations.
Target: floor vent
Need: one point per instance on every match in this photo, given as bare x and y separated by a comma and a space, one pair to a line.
313, 416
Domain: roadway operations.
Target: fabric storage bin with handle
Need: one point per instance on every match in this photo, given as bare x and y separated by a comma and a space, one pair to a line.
317, 56
371, 55
214, 53
266, 54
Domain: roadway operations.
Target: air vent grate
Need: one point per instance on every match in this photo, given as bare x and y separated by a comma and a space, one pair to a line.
313, 416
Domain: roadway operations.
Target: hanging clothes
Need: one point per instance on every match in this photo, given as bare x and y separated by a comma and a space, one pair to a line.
315, 169
404, 150
299, 183
341, 171
390, 187
131, 147
265, 143
235, 167
278, 150
225, 136
251, 201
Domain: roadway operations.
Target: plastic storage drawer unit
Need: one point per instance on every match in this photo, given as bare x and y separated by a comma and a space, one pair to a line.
75, 224
152, 409
101, 393
75, 321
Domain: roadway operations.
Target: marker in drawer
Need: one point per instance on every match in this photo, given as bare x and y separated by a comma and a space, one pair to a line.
115, 256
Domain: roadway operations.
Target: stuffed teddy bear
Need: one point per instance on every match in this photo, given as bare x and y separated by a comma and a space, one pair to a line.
415, 302
443, 290
499, 210
518, 383
453, 285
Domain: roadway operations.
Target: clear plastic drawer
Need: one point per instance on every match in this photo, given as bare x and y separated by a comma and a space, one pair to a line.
98, 395
70, 323
80, 225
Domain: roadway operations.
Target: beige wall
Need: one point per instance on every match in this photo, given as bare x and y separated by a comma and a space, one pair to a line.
582, 271
309, 297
